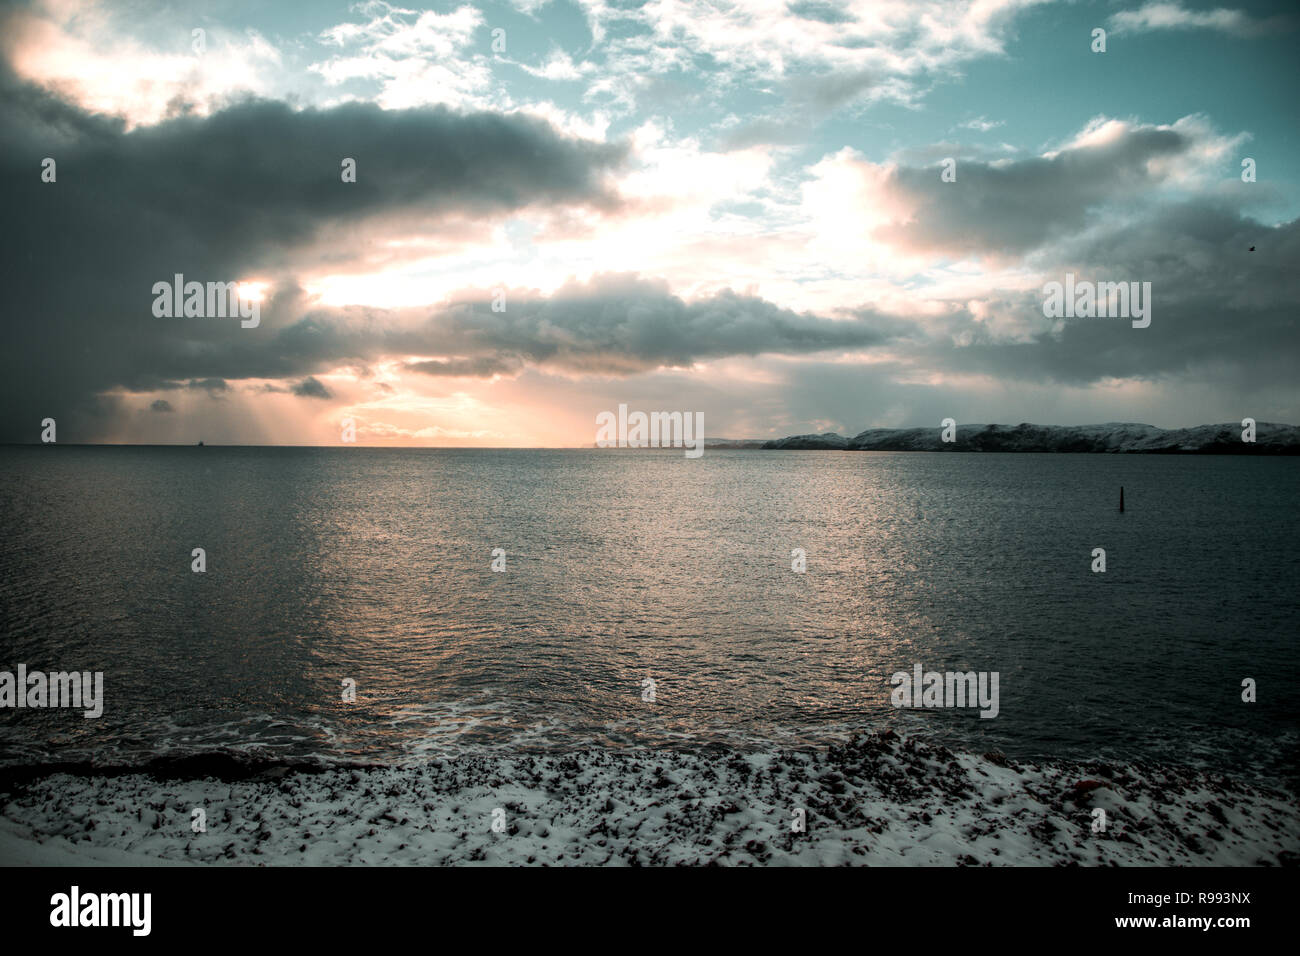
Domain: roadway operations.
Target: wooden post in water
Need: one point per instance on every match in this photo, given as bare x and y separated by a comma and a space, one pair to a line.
1121, 498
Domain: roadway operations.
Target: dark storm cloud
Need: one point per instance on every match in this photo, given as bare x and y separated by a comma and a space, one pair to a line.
614, 325
1016, 206
209, 385
1220, 311
215, 199
161, 405
311, 387
620, 325
148, 383
481, 367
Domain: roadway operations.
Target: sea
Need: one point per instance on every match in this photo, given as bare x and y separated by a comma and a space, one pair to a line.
388, 606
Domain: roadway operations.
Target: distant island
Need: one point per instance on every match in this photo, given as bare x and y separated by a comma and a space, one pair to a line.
1113, 437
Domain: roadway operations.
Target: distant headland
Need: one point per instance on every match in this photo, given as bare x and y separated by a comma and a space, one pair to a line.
1113, 437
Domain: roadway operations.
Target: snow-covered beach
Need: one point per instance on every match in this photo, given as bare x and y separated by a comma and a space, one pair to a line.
881, 799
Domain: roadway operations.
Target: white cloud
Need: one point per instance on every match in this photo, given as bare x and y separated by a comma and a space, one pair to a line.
1174, 16
982, 125
559, 66
87, 55
766, 39
416, 59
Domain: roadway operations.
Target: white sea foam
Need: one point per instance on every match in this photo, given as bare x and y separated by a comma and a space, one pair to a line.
882, 799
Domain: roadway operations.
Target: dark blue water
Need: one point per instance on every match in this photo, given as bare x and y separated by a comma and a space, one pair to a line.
374, 565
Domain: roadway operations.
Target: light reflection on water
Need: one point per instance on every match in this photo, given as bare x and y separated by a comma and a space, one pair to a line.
374, 565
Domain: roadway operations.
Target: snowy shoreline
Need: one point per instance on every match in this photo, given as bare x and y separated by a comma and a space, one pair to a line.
882, 799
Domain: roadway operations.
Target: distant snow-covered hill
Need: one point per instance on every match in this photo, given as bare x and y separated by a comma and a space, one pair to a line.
1270, 439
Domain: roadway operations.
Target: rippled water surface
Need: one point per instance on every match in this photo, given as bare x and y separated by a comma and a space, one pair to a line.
374, 565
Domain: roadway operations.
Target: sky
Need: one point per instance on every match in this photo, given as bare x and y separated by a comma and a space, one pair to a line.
561, 206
